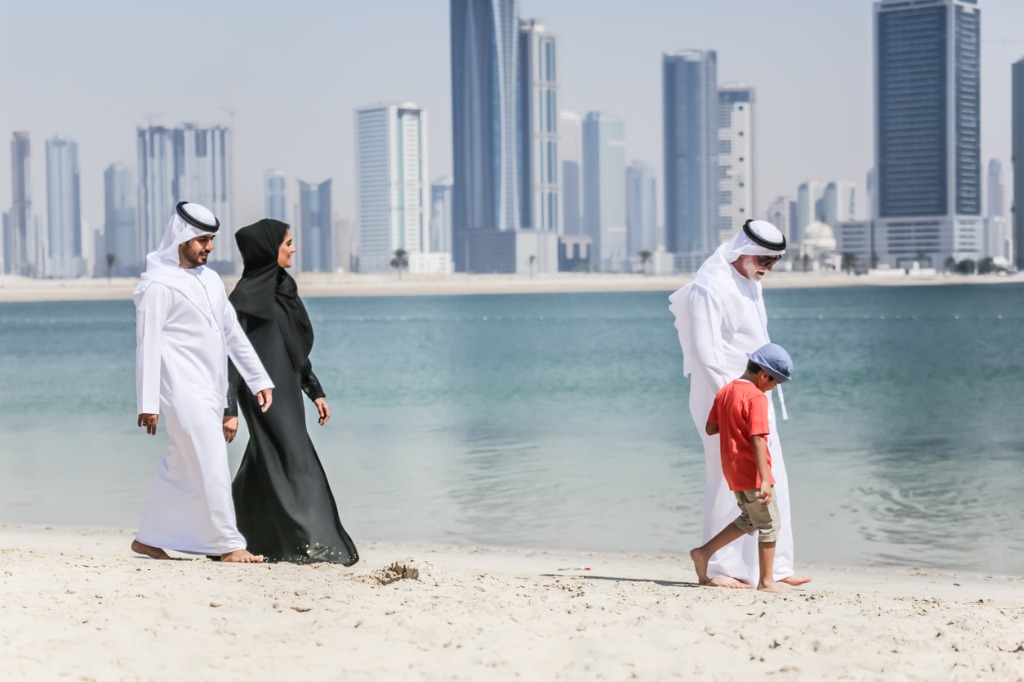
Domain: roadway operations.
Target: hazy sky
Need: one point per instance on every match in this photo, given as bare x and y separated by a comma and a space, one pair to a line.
293, 73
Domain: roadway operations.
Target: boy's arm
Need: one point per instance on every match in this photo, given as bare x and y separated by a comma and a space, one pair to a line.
711, 428
760, 445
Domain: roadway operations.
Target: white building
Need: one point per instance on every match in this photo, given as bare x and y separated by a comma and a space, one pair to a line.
808, 206
392, 187
735, 159
63, 210
186, 164
539, 190
571, 169
641, 209
441, 215
838, 202
275, 196
604, 190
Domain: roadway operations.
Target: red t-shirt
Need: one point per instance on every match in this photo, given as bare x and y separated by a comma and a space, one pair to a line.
741, 411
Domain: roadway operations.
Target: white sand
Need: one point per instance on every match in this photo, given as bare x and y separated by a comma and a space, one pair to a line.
24, 289
77, 604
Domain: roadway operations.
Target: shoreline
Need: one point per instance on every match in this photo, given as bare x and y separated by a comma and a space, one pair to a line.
21, 289
77, 603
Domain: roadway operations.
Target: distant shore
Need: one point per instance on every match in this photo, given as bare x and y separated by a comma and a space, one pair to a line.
14, 289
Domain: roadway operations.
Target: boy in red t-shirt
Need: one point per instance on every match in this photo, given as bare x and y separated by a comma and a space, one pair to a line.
740, 416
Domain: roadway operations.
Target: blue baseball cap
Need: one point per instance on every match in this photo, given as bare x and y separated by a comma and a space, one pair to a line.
773, 358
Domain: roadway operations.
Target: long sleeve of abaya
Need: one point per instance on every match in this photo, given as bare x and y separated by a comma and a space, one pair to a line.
234, 381
310, 384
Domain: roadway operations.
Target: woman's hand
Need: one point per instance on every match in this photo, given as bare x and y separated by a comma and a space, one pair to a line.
321, 407
230, 428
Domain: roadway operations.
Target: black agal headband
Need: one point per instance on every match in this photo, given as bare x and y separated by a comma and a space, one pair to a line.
195, 222
761, 241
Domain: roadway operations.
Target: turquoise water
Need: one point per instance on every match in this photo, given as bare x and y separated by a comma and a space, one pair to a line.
561, 421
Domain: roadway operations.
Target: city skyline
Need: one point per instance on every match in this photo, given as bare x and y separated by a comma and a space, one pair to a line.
812, 75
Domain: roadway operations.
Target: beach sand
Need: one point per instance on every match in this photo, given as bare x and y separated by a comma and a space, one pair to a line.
312, 284
77, 604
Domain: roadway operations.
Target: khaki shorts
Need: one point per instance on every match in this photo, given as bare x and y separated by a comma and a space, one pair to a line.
755, 516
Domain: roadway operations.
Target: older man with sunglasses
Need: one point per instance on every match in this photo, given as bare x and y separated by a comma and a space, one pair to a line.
720, 317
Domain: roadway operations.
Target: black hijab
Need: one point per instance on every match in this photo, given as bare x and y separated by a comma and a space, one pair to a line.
268, 292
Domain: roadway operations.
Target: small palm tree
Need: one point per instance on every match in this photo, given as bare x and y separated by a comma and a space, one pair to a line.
533, 259
401, 260
111, 259
645, 258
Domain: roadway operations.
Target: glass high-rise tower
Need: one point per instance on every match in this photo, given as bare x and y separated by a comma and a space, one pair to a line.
927, 131
690, 118
63, 210
484, 58
185, 164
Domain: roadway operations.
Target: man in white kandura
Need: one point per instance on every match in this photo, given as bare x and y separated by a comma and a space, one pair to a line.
720, 317
185, 331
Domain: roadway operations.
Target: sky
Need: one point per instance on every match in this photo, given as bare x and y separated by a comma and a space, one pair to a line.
287, 78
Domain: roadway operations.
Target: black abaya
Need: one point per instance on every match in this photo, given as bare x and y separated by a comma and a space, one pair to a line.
283, 501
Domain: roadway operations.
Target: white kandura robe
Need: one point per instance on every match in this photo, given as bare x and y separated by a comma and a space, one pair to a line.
185, 331
720, 317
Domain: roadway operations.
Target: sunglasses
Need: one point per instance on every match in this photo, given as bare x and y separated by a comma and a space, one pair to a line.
765, 261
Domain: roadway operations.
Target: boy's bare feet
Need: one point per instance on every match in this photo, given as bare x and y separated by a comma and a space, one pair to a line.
700, 565
242, 556
796, 580
773, 586
150, 551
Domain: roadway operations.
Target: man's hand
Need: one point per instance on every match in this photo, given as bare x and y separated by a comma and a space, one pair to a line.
264, 398
765, 496
149, 421
321, 407
230, 428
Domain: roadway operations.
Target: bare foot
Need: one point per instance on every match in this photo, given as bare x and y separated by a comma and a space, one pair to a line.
795, 580
242, 556
726, 581
700, 565
150, 551
773, 586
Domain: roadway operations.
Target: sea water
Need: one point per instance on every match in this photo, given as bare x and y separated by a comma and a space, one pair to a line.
561, 421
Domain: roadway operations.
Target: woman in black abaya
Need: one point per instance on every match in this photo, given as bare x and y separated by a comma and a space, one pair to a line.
283, 502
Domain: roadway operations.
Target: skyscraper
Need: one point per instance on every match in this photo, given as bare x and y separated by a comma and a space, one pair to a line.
484, 58
570, 167
735, 159
539, 189
808, 207
996, 204
641, 209
24, 248
314, 238
63, 210
927, 127
604, 190
690, 118
186, 164
120, 190
275, 196
392, 186
1017, 147
441, 215
838, 202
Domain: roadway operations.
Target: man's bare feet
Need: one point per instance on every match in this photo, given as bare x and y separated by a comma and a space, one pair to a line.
242, 556
773, 586
796, 580
726, 581
150, 551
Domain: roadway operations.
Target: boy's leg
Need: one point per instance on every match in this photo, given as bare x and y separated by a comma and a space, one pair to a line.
766, 561
702, 555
